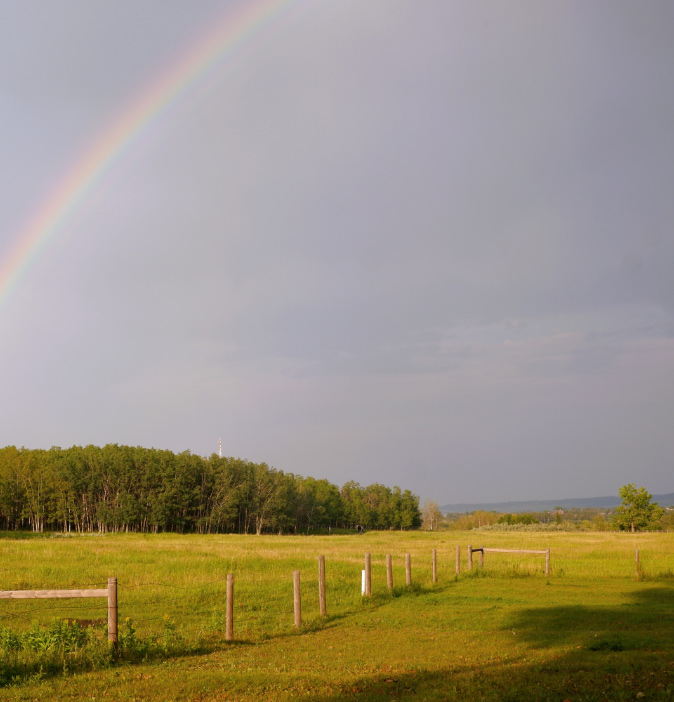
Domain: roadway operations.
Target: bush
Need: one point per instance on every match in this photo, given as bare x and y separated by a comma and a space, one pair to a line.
518, 519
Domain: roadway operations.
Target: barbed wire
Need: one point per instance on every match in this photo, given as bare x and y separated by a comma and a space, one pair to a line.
36, 610
86, 586
176, 586
182, 606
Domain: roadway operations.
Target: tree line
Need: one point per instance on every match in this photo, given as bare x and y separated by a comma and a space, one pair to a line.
125, 488
637, 512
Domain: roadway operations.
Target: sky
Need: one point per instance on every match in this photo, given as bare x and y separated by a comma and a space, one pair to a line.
424, 243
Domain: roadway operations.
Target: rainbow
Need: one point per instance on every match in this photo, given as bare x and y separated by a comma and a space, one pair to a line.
255, 17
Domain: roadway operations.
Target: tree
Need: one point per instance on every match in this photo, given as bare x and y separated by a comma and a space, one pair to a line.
667, 520
636, 511
431, 515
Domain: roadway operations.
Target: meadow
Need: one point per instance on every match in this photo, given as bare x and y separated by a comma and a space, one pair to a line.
590, 631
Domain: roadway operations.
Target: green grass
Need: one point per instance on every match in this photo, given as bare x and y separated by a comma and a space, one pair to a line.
503, 632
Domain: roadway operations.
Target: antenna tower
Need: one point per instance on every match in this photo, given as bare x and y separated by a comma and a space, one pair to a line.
220, 448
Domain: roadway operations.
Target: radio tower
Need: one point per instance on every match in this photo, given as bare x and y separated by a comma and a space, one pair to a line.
220, 448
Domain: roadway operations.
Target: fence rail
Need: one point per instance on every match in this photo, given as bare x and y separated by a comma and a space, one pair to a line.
512, 550
49, 594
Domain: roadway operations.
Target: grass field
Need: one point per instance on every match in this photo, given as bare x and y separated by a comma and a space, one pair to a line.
504, 632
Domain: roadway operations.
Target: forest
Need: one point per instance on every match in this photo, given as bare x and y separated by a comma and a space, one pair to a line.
123, 488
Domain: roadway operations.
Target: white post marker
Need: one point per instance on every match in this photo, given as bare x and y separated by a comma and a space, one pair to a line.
362, 583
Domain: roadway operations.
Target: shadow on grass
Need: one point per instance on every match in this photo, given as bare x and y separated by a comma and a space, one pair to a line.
23, 535
24, 666
613, 653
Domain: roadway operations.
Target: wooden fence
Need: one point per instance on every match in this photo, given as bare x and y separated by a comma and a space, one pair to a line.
110, 592
482, 550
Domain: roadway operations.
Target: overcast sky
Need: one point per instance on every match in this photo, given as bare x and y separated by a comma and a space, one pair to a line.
417, 242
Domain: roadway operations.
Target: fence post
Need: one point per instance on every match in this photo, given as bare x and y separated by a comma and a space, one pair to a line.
470, 557
637, 565
482, 557
321, 587
389, 572
112, 612
229, 614
547, 562
298, 601
435, 566
458, 559
408, 569
368, 575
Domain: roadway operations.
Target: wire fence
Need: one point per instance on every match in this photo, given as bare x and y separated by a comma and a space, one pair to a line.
263, 600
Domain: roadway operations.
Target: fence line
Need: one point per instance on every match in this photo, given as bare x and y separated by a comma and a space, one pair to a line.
198, 589
249, 617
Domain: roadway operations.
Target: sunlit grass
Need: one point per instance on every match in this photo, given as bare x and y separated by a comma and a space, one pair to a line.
504, 631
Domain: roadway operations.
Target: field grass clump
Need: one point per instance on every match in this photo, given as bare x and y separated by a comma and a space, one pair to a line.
66, 647
43, 651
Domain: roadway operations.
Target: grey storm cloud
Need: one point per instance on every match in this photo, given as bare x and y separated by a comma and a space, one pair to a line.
411, 242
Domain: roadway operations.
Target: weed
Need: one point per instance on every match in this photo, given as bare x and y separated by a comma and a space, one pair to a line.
130, 645
9, 640
217, 622
170, 638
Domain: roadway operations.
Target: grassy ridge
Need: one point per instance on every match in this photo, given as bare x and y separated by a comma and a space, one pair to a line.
590, 631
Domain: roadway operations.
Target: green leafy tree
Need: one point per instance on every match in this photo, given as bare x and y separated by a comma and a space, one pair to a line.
636, 511
124, 488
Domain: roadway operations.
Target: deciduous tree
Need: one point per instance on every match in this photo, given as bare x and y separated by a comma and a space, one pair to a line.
636, 511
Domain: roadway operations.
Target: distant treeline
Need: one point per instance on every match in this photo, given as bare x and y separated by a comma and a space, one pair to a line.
578, 519
124, 488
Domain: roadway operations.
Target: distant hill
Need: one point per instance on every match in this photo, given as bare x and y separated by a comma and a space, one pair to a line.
547, 505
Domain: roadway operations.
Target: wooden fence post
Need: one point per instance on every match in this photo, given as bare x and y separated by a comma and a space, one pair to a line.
389, 572
435, 566
637, 566
547, 562
470, 557
458, 560
482, 557
408, 569
321, 587
229, 613
368, 575
297, 598
112, 612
